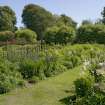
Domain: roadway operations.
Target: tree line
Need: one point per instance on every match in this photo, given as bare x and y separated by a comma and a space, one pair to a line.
40, 24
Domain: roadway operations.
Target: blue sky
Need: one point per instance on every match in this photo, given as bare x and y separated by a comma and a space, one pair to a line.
77, 9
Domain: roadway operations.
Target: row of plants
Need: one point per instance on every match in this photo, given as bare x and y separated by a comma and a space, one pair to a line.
53, 35
88, 33
22, 36
42, 25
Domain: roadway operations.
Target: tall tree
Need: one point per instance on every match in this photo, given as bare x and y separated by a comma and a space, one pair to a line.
103, 15
7, 19
98, 21
65, 20
86, 22
37, 19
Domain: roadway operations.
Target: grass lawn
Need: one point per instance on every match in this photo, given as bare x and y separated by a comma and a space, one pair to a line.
48, 92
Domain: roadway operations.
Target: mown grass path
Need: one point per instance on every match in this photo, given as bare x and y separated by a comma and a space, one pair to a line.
47, 92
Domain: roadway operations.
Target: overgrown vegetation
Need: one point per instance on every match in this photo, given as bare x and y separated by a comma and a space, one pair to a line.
60, 35
24, 36
91, 34
6, 36
53, 61
89, 90
10, 78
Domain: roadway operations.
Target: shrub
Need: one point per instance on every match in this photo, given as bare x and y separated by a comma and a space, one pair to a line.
96, 99
83, 86
53, 63
65, 35
54, 68
50, 35
25, 35
40, 68
71, 61
91, 34
9, 77
6, 36
61, 35
89, 91
30, 68
27, 69
96, 71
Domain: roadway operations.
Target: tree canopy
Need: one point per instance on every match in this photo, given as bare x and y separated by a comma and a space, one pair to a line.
61, 35
37, 19
86, 22
26, 35
92, 33
103, 15
65, 20
7, 19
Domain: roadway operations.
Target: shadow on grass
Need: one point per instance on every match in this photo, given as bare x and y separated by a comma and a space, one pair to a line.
69, 91
68, 100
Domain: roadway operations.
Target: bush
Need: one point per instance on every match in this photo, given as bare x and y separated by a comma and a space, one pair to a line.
9, 77
88, 90
50, 35
54, 68
53, 63
61, 35
71, 61
94, 71
96, 99
83, 86
91, 34
6, 36
26, 35
27, 69
40, 68
30, 68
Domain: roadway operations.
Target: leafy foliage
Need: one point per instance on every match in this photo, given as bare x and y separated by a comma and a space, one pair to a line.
103, 16
65, 20
40, 68
96, 99
30, 68
6, 36
83, 86
86, 22
10, 78
91, 34
26, 35
62, 34
90, 90
38, 65
37, 19
7, 19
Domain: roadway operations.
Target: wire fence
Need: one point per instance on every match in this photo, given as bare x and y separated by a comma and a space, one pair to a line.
20, 52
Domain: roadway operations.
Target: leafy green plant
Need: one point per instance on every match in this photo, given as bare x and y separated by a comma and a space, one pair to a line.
83, 86
30, 68
54, 68
91, 33
96, 99
9, 77
6, 36
25, 36
61, 35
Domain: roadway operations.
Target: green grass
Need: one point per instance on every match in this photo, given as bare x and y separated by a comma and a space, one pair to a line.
47, 92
